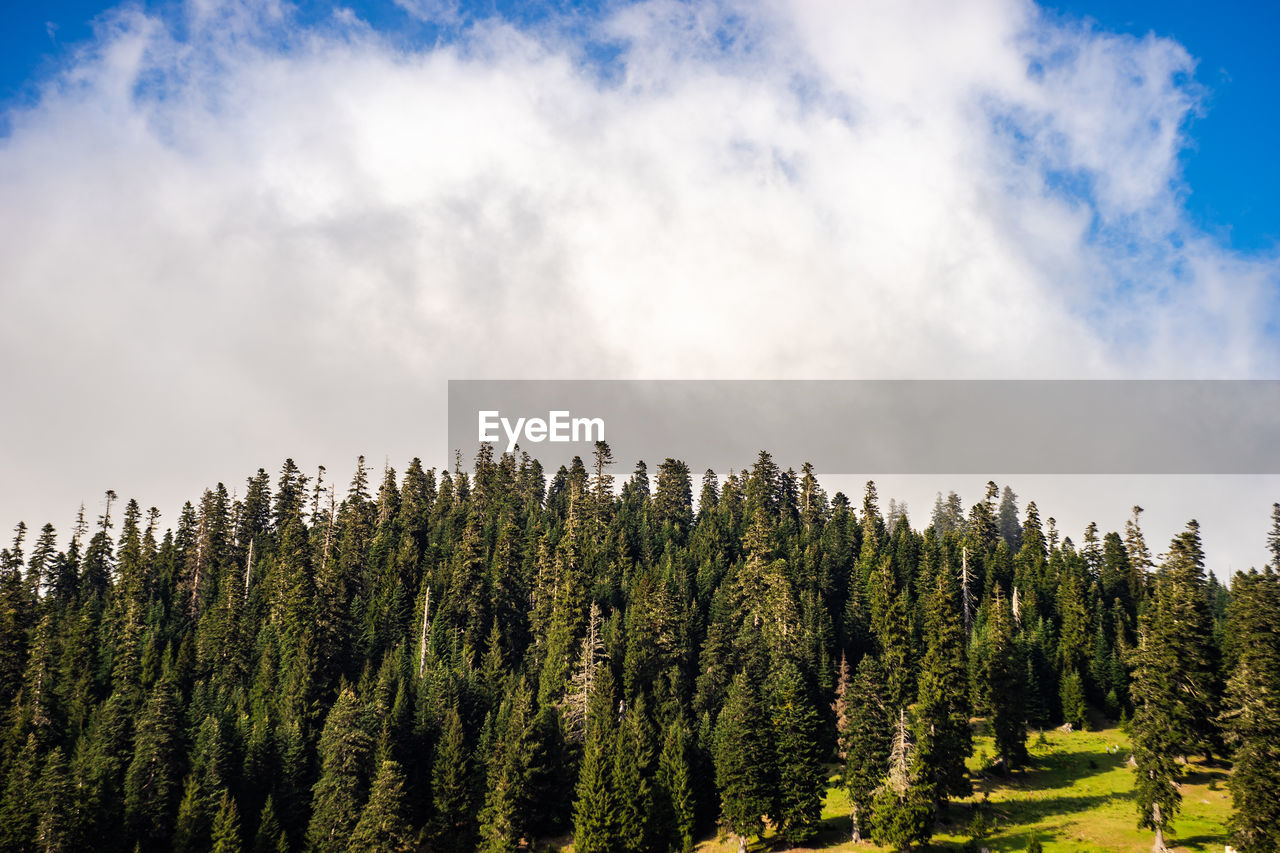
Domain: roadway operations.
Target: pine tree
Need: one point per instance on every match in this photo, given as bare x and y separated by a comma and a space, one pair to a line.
1187, 634
1072, 695
453, 823
270, 837
801, 781
226, 827
344, 753
56, 830
503, 820
902, 812
382, 825
1005, 671
943, 736
1152, 729
673, 791
744, 779
865, 742
632, 771
595, 828
151, 784
1252, 715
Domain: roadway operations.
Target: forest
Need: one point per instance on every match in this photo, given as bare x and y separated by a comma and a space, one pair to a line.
503, 658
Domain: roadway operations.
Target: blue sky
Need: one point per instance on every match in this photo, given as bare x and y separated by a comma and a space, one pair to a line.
1231, 168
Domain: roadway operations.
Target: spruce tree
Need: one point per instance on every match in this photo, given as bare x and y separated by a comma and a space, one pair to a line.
338, 796
673, 791
943, 736
151, 784
865, 741
1252, 715
382, 825
1005, 671
801, 781
270, 837
902, 812
453, 827
1153, 729
226, 827
743, 774
595, 811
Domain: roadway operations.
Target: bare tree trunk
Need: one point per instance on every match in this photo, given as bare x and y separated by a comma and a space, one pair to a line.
422, 647
742, 844
857, 833
1158, 846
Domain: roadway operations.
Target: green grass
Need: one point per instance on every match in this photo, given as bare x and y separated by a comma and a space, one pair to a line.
1074, 797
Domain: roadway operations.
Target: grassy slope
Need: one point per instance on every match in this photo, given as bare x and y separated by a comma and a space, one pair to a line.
1075, 798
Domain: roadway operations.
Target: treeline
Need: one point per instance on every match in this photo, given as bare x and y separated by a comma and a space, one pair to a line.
474, 660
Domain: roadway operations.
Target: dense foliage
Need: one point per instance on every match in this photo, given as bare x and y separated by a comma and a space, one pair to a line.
470, 660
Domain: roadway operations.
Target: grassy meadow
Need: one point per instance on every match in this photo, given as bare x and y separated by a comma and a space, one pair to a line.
1075, 797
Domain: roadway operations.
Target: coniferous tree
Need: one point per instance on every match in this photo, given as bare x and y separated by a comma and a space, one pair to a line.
55, 830
338, 796
902, 812
1252, 715
595, 812
453, 823
226, 827
1153, 729
744, 779
151, 784
673, 791
800, 778
1004, 676
382, 825
943, 736
865, 741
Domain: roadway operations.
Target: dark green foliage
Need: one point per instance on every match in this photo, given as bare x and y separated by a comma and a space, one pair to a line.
1153, 730
801, 780
943, 736
226, 827
453, 660
743, 749
453, 826
865, 740
673, 791
902, 812
382, 824
338, 796
1004, 673
1252, 715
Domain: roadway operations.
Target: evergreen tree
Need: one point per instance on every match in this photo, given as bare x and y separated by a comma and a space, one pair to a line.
339, 794
226, 827
1005, 670
1153, 729
382, 825
902, 813
865, 741
801, 781
744, 779
943, 735
56, 830
595, 811
453, 823
673, 791
1252, 715
151, 782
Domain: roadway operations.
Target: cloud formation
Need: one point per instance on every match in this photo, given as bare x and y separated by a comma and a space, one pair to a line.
226, 238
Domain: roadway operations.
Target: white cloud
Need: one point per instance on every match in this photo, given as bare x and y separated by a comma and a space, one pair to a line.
254, 241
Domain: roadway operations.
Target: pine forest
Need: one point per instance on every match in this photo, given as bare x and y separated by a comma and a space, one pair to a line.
507, 658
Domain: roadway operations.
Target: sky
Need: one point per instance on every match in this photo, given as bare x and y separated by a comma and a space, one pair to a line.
237, 230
